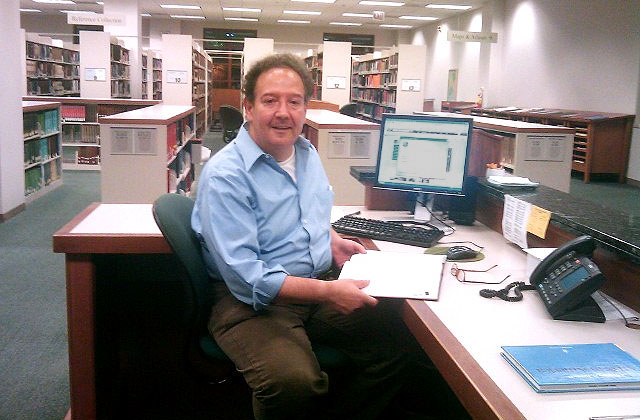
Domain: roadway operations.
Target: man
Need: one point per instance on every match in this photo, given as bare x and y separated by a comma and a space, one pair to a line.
262, 214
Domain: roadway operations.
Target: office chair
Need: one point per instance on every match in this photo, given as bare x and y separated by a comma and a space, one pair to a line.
349, 109
204, 358
231, 122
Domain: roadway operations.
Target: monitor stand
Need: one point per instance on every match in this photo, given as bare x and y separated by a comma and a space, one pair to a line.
424, 207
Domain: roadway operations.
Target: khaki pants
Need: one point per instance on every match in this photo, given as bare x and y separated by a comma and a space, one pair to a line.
272, 349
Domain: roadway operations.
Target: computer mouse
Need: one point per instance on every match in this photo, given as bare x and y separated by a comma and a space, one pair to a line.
460, 252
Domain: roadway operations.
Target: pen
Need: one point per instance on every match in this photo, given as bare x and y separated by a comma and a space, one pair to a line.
355, 213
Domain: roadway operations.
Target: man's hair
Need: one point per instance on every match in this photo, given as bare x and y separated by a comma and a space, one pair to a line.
276, 61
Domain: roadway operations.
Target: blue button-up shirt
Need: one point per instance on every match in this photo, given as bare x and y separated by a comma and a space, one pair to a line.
256, 224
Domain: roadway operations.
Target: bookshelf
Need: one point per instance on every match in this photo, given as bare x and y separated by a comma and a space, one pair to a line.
42, 151
314, 64
80, 131
330, 71
601, 141
389, 82
145, 76
155, 142
51, 70
156, 90
199, 68
209, 92
120, 70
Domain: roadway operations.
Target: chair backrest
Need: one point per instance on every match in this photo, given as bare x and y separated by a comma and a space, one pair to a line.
349, 109
231, 117
172, 213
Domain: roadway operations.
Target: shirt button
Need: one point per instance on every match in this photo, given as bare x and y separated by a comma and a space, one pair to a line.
304, 221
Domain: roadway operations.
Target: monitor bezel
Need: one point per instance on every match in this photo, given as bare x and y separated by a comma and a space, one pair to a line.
424, 189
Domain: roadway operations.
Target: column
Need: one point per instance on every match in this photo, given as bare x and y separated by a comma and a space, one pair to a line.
11, 143
131, 34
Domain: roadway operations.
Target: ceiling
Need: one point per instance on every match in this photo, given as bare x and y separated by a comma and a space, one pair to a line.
272, 10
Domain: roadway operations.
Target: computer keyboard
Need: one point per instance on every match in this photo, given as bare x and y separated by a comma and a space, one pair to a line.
426, 236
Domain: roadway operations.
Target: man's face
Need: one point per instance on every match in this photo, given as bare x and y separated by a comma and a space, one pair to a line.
278, 112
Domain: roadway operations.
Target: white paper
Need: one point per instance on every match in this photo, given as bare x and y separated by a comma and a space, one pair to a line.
412, 85
98, 75
336, 82
514, 220
397, 274
544, 148
360, 143
512, 181
338, 145
177, 76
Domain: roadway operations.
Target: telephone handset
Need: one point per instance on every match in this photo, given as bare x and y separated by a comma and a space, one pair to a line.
566, 279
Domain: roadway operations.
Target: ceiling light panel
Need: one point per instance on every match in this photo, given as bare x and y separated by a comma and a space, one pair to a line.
179, 6
315, 1
418, 17
345, 23
301, 12
381, 3
186, 17
241, 9
389, 25
55, 1
242, 19
293, 21
447, 6
361, 15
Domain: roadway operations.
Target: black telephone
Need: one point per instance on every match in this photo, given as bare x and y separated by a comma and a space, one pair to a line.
566, 279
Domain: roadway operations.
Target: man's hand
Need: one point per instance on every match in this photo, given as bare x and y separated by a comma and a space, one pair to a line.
345, 296
342, 249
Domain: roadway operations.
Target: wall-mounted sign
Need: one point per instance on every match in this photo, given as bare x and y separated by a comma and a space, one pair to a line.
378, 15
465, 36
177, 76
98, 75
336, 82
95, 19
411, 85
354, 145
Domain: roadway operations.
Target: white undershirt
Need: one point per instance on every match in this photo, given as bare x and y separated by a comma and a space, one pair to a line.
289, 165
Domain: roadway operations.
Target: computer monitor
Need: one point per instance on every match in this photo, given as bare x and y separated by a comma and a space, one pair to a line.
424, 154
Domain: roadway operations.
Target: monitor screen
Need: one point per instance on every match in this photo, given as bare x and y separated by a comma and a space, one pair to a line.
423, 153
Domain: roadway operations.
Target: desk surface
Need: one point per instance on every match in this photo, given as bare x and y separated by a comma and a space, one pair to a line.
481, 326
461, 332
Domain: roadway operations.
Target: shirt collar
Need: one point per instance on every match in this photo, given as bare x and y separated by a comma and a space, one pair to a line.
251, 152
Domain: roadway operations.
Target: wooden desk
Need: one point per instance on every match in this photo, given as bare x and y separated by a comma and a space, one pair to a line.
460, 332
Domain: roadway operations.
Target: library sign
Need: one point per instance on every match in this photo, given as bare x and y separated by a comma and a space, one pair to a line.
95, 19
465, 36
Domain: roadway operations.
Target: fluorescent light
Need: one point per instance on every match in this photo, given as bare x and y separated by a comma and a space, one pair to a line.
315, 1
300, 12
381, 3
84, 12
186, 17
396, 26
101, 3
418, 17
293, 21
241, 9
242, 19
447, 6
362, 15
55, 1
31, 10
179, 6
145, 14
345, 23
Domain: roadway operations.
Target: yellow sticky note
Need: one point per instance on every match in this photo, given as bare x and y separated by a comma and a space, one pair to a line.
538, 221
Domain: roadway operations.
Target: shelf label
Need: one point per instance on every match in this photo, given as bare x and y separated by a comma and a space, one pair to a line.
95, 19
336, 82
466, 36
98, 75
411, 85
121, 141
338, 145
545, 148
144, 141
354, 145
177, 76
360, 143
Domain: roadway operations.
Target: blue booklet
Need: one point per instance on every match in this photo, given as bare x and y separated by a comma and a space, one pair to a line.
575, 367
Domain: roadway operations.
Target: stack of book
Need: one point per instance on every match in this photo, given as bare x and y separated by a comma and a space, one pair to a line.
575, 367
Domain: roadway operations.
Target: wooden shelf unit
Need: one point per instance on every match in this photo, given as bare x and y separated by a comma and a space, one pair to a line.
145, 76
199, 88
120, 71
601, 141
314, 65
51, 70
42, 148
157, 78
375, 82
209, 93
156, 142
80, 132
